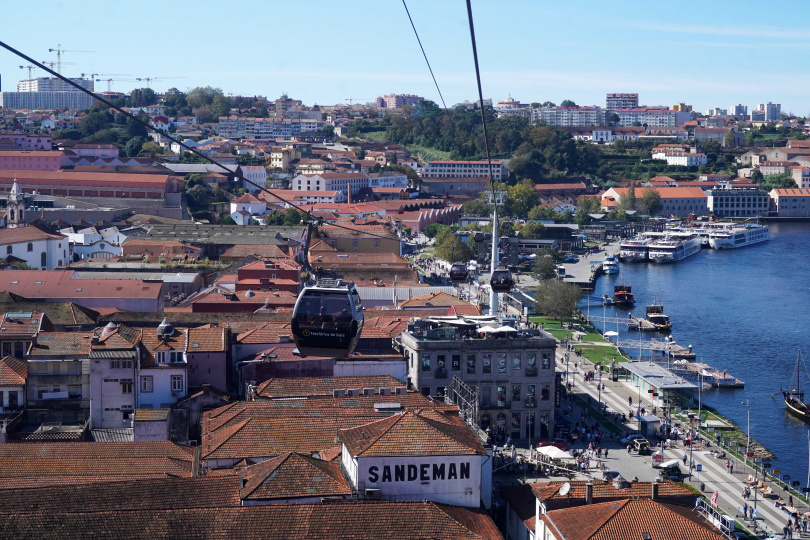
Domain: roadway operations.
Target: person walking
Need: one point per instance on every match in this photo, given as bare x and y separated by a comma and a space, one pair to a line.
685, 457
731, 467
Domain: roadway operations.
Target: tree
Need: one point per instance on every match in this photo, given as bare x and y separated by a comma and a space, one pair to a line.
535, 105
360, 153
650, 201
174, 98
568, 103
198, 198
544, 267
728, 140
133, 146
293, 217
557, 299
228, 220
93, 123
136, 129
614, 119
520, 198
476, 207
452, 249
586, 206
202, 96
141, 97
628, 202
432, 230
203, 114
532, 231
756, 176
328, 131
150, 148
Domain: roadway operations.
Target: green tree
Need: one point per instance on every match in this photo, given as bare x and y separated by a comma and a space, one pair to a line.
520, 198
360, 153
540, 213
532, 231
293, 217
628, 201
728, 140
650, 201
220, 106
328, 131
613, 119
228, 220
174, 98
92, 123
557, 299
544, 267
568, 103
452, 249
198, 198
150, 148
476, 207
141, 97
133, 146
432, 230
203, 114
202, 96
586, 206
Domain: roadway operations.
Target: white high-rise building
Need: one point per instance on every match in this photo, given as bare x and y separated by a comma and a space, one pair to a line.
738, 110
615, 101
52, 84
773, 111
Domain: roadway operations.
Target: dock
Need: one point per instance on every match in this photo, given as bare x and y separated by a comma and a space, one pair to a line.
637, 323
718, 379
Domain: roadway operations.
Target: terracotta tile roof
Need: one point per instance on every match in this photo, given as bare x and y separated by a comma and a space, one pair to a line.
434, 299
94, 460
604, 491
268, 428
244, 250
13, 371
323, 386
247, 198
18, 323
61, 344
269, 332
45, 284
416, 433
290, 476
627, 518
151, 415
116, 337
358, 231
155, 493
30, 233
206, 340
362, 259
384, 519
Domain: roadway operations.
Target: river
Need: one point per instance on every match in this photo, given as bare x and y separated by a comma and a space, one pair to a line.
746, 310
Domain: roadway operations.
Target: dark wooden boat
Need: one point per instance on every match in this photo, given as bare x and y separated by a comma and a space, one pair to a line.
794, 398
623, 295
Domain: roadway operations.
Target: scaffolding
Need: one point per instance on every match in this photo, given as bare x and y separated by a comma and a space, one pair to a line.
467, 398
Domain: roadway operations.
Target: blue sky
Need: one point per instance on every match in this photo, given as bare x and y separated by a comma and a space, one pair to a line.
707, 54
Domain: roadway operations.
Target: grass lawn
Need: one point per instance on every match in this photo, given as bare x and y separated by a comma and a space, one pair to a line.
374, 135
427, 154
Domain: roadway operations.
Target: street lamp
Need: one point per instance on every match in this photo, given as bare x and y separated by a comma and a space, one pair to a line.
748, 430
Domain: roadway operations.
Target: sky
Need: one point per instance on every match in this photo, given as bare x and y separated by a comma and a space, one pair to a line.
707, 54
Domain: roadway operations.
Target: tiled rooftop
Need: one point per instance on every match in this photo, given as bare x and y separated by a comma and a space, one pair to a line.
323, 386
13, 371
293, 475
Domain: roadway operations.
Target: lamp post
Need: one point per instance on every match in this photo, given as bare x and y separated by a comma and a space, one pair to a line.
748, 431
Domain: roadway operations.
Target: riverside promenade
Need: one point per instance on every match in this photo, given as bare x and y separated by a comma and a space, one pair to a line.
713, 477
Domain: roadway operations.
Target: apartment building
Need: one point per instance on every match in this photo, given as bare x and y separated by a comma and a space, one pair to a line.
570, 116
651, 117
239, 127
616, 101
344, 182
465, 169
395, 101
52, 84
512, 372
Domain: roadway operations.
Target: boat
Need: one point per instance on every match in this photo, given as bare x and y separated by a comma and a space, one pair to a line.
656, 317
610, 265
623, 295
737, 237
794, 399
675, 247
634, 249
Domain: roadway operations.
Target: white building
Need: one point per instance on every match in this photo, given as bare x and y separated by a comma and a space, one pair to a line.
343, 182
738, 110
683, 159
37, 247
257, 175
772, 111
113, 372
465, 169
52, 84
163, 374
415, 456
652, 117
387, 179
570, 116
250, 204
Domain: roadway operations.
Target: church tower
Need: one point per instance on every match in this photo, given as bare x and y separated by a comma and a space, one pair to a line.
15, 216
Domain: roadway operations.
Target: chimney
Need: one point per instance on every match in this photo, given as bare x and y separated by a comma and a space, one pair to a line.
654, 494
588, 493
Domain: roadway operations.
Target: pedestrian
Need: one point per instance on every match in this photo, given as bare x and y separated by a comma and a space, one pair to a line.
745, 510
731, 468
790, 501
606, 452
685, 457
727, 466
629, 447
630, 401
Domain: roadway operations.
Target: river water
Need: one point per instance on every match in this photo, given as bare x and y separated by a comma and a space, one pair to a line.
745, 310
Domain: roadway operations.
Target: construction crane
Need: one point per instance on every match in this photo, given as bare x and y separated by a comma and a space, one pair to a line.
355, 99
150, 79
59, 50
30, 70
93, 76
110, 81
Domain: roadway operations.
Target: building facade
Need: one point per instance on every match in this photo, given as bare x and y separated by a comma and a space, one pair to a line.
465, 169
738, 202
791, 202
570, 116
514, 376
395, 101
616, 101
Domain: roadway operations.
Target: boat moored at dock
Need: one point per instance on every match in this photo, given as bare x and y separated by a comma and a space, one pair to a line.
794, 398
656, 317
610, 265
675, 247
741, 236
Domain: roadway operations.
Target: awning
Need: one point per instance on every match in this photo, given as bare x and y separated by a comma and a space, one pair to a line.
554, 453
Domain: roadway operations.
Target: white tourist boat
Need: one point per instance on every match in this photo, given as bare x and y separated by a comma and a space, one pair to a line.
675, 247
610, 265
736, 237
634, 249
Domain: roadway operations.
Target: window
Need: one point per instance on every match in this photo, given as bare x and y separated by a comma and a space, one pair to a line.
355, 242
515, 392
516, 363
425, 390
177, 383
147, 383
126, 387
501, 363
171, 357
546, 361
425, 362
455, 362
487, 363
471, 364
545, 393
8, 250
30, 246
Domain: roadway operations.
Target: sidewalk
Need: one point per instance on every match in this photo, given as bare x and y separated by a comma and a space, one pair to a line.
713, 477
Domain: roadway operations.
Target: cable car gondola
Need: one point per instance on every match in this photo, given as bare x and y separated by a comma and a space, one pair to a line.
459, 272
327, 319
501, 280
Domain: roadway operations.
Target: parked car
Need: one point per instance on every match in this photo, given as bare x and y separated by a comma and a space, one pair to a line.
642, 446
571, 259
630, 438
559, 443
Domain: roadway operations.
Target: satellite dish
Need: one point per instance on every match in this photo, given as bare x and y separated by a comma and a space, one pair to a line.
566, 487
